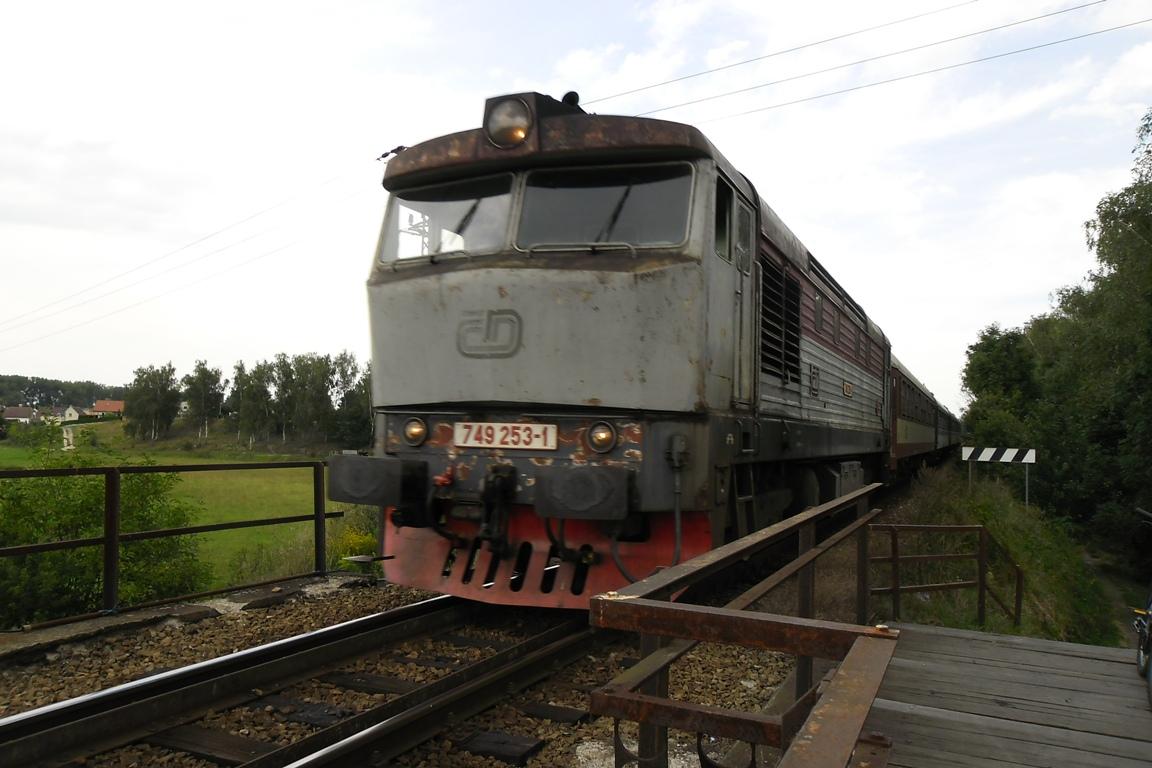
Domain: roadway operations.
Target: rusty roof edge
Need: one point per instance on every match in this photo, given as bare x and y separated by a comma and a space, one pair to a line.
559, 137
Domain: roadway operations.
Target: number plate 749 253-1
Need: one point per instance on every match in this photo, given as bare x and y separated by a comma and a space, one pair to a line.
477, 434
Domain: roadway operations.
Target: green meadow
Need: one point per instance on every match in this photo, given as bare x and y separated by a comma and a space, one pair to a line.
239, 555
15, 457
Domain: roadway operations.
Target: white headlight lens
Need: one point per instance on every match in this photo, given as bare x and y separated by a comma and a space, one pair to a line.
415, 431
602, 437
509, 123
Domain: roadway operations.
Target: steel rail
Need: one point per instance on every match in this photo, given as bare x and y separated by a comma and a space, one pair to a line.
103, 720
404, 723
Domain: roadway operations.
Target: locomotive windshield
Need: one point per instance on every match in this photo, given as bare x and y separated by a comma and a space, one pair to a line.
640, 206
469, 216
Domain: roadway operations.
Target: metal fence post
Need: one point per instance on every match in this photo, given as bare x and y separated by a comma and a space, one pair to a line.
982, 577
320, 536
895, 534
111, 539
863, 575
1019, 595
805, 602
653, 739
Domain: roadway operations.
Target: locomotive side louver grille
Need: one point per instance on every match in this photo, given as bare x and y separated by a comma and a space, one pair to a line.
779, 323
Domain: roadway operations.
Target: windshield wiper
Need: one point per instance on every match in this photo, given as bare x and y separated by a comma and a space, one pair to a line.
466, 219
461, 225
610, 225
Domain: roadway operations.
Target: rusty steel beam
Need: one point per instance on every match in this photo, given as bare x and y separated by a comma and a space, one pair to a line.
999, 601
677, 577
792, 720
159, 533
863, 575
929, 587
685, 716
928, 528
651, 665
830, 733
151, 469
872, 751
825, 639
779, 577
924, 558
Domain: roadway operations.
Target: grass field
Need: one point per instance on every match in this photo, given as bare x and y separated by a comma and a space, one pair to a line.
251, 553
235, 556
15, 457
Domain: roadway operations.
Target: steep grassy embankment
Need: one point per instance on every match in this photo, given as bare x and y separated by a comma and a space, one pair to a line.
1063, 599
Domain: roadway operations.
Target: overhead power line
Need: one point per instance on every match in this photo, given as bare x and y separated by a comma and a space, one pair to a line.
925, 72
120, 310
158, 259
122, 287
784, 51
870, 59
176, 289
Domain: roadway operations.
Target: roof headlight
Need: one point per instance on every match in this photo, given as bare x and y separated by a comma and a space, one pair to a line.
415, 432
602, 437
508, 123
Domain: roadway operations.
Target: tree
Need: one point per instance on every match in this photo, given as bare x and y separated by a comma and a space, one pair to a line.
251, 401
204, 393
353, 422
152, 402
284, 398
312, 378
1074, 382
41, 393
23, 390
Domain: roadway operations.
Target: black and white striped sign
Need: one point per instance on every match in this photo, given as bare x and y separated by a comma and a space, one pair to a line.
1004, 455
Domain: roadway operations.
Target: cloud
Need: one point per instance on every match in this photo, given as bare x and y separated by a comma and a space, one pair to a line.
1121, 93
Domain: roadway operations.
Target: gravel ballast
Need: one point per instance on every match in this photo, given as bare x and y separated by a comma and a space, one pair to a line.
723, 676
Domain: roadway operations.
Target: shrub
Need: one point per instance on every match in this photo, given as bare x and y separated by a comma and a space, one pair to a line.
53, 584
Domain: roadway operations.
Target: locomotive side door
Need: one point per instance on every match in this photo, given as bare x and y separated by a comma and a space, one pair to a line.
746, 328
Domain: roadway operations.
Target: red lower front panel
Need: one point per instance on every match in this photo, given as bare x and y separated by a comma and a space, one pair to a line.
526, 575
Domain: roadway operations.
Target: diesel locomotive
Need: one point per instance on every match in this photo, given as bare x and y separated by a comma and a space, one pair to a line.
597, 351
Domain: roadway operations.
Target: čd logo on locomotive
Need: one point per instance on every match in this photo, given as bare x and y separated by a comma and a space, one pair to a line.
489, 333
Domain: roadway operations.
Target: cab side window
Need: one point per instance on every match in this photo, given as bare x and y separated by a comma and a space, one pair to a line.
744, 238
723, 220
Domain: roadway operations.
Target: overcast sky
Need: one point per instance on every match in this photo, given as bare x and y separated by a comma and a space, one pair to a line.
198, 181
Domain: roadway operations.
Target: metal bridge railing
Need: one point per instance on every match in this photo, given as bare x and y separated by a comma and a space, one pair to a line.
982, 556
821, 729
112, 537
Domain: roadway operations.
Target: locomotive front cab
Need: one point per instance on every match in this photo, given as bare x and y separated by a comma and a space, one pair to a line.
540, 356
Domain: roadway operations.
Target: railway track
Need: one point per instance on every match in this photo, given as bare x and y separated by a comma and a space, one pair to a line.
182, 709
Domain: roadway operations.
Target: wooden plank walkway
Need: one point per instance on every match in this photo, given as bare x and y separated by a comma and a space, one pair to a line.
960, 699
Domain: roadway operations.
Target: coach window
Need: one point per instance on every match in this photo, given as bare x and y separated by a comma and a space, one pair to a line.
819, 311
723, 220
